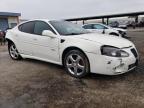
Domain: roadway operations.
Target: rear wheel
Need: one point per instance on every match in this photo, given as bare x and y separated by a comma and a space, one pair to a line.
13, 52
76, 64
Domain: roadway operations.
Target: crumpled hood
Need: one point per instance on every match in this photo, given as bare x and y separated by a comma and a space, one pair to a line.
106, 40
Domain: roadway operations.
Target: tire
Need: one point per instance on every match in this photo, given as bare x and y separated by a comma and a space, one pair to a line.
76, 64
13, 52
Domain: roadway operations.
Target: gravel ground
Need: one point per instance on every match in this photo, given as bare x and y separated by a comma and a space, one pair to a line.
35, 84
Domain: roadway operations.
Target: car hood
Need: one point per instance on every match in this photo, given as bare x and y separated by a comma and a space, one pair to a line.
106, 40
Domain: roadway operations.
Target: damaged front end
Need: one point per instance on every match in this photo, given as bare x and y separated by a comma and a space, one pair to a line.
123, 64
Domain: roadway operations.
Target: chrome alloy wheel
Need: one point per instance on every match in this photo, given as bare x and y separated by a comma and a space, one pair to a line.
75, 64
14, 52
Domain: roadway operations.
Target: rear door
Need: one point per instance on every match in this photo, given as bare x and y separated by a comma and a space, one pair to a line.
25, 38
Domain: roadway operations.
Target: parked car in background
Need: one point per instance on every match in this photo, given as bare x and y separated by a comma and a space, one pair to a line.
116, 24
123, 26
105, 29
67, 44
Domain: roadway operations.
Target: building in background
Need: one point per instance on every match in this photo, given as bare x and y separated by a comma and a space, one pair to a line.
23, 20
8, 20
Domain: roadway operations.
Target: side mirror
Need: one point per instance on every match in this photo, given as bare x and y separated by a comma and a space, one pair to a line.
48, 33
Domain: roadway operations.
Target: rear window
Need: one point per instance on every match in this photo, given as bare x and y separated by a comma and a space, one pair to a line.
27, 27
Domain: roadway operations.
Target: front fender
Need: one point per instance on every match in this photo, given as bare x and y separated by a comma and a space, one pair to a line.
84, 45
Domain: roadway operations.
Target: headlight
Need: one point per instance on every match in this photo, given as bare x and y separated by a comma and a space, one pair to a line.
113, 51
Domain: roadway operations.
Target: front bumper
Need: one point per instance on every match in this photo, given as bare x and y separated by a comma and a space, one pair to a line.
113, 65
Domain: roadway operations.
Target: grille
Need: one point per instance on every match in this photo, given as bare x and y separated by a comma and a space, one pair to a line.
134, 52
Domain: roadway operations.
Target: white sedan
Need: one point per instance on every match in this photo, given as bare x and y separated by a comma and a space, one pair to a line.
67, 44
105, 29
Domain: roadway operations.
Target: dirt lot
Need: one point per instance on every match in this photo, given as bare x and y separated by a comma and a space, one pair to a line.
35, 84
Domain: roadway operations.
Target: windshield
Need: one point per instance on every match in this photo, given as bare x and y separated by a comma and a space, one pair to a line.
68, 28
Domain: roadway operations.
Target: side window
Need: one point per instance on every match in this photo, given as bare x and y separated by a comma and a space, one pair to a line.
88, 26
40, 26
98, 26
27, 27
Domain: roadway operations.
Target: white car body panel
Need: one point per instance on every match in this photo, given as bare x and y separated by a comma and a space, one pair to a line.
116, 66
50, 49
103, 39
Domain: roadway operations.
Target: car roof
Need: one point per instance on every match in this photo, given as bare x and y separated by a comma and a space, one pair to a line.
46, 20
36, 20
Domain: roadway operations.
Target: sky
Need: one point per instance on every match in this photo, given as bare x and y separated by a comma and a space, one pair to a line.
63, 9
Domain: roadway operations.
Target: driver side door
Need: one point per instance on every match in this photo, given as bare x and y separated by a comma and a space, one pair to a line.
45, 47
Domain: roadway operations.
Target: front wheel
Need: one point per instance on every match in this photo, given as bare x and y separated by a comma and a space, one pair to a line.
76, 64
13, 52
